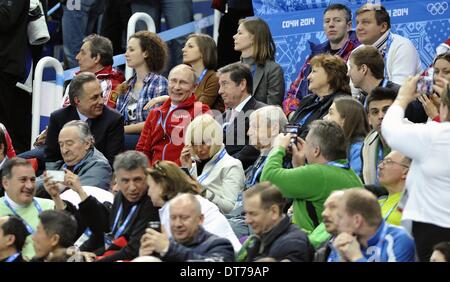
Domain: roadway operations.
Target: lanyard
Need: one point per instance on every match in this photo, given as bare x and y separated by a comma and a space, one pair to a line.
202, 75
256, 173
386, 50
305, 118
12, 258
124, 224
384, 82
221, 155
390, 210
336, 164
253, 70
28, 226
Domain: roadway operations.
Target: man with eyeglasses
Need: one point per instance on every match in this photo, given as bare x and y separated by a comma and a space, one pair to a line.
114, 232
374, 147
392, 172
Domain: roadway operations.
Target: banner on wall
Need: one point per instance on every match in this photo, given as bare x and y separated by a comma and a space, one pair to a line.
426, 23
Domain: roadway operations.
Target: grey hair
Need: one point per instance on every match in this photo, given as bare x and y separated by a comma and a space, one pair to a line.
76, 86
83, 131
271, 115
130, 160
102, 46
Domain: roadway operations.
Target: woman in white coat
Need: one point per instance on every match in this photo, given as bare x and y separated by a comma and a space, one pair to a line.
221, 175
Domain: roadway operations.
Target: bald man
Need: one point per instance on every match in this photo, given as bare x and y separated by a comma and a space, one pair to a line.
163, 132
190, 241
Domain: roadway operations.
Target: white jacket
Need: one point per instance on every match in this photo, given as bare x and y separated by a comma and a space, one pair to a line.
214, 221
223, 180
428, 180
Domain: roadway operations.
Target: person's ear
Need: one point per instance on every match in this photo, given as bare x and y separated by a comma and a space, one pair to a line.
275, 212
384, 27
54, 240
317, 151
76, 100
5, 183
243, 85
97, 59
202, 218
10, 239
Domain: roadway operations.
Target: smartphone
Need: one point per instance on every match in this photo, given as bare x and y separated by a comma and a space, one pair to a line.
294, 130
156, 225
425, 85
57, 175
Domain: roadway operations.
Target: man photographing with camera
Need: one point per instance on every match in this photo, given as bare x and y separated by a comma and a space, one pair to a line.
309, 185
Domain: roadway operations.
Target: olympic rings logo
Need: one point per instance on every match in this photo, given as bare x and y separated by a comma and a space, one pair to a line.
437, 8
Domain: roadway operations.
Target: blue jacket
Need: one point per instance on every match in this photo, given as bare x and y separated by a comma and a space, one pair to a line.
389, 244
204, 247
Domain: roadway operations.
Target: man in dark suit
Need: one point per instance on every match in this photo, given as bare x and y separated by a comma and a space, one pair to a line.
236, 86
86, 103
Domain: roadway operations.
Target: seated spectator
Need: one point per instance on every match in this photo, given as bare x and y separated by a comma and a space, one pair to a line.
254, 40
428, 184
327, 80
441, 72
264, 125
190, 241
80, 157
200, 52
274, 236
147, 55
392, 175
162, 136
236, 82
337, 25
322, 237
441, 252
219, 174
18, 179
375, 148
166, 180
373, 27
366, 71
309, 185
116, 230
86, 104
55, 232
350, 115
13, 234
363, 234
96, 56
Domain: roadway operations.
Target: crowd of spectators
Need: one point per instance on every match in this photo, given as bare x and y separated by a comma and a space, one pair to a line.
220, 164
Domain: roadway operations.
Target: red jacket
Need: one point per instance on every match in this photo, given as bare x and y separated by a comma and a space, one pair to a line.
109, 79
161, 140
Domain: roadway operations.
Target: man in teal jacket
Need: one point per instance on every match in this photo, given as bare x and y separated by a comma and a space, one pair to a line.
309, 185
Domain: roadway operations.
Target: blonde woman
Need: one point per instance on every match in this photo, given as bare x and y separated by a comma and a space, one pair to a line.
221, 175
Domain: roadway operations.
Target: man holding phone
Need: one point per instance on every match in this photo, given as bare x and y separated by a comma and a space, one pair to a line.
189, 240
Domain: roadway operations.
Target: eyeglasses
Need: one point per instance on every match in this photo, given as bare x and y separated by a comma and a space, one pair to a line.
388, 161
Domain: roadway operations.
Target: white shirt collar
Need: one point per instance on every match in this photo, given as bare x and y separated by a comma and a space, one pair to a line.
242, 104
13, 204
82, 117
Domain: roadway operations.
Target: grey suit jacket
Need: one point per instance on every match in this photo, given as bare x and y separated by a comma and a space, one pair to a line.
268, 83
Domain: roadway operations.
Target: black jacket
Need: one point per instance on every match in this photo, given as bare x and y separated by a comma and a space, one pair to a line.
235, 135
13, 36
100, 219
107, 129
205, 247
283, 241
317, 108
